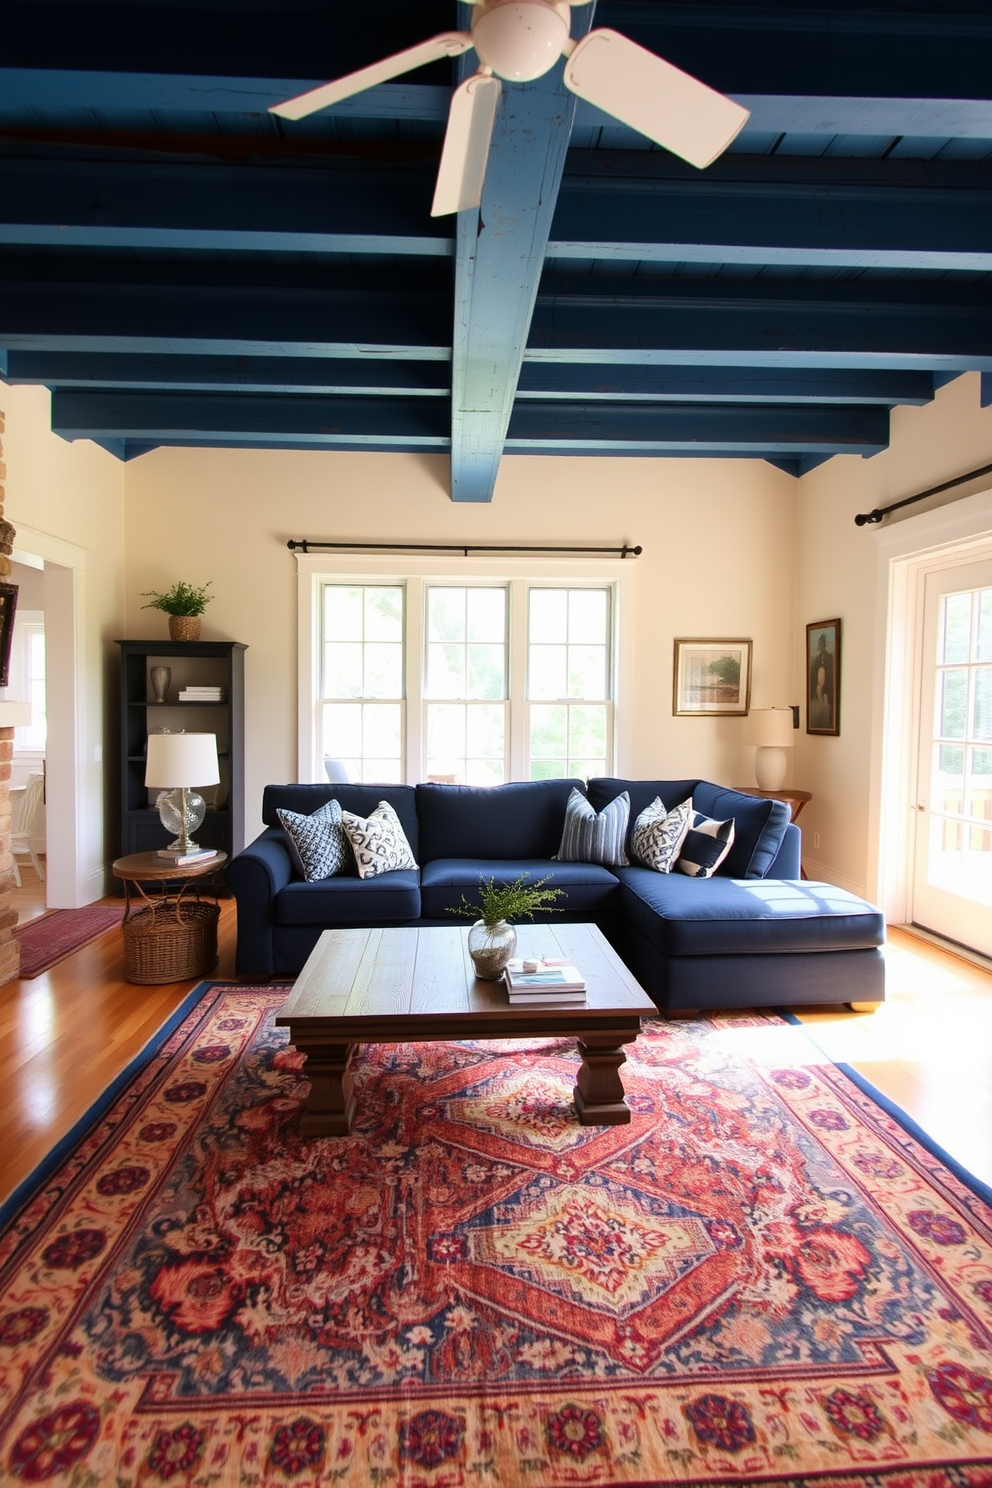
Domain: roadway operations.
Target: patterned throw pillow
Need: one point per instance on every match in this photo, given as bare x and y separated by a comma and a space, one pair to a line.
378, 841
317, 844
591, 836
706, 844
658, 834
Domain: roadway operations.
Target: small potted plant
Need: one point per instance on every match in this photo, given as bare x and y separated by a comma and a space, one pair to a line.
184, 604
492, 940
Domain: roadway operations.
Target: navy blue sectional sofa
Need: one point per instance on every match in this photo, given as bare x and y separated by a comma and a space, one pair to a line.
753, 935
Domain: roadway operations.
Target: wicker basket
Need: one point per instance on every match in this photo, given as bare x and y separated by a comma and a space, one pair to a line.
184, 627
171, 942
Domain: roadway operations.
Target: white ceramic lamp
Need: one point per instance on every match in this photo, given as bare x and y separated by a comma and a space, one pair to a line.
772, 730
176, 763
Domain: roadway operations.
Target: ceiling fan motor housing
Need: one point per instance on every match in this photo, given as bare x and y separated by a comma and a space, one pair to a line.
520, 39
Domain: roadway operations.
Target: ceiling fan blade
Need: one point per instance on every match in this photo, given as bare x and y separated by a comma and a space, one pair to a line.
447, 44
653, 97
466, 145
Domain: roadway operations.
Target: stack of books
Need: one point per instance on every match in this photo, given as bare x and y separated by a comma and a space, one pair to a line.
544, 983
195, 855
203, 695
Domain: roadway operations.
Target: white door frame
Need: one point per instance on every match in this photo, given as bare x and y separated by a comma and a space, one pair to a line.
67, 885
906, 550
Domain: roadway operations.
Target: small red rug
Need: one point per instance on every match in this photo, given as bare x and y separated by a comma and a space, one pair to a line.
765, 1278
55, 935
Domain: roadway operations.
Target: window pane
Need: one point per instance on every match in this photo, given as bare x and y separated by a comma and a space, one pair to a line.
548, 732
486, 617
381, 729
445, 614
953, 704
485, 671
551, 769
343, 612
587, 615
984, 645
955, 644
548, 675
342, 731
983, 704
587, 732
950, 759
445, 737
548, 620
485, 732
587, 671
445, 671
343, 669
383, 671
384, 614
981, 762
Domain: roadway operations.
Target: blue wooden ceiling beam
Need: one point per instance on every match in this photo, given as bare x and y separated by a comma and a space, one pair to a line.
245, 374
762, 210
362, 423
27, 92
692, 384
499, 258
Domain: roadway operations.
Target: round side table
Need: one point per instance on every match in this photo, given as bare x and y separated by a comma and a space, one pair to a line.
169, 935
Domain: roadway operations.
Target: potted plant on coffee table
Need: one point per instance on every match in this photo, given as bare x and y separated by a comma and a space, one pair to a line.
492, 940
184, 604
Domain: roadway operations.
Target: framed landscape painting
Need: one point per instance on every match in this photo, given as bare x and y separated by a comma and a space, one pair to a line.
823, 677
712, 678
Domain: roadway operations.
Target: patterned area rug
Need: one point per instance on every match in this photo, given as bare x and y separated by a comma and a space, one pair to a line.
50, 938
764, 1278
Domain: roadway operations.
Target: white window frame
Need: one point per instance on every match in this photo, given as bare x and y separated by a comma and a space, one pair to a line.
416, 572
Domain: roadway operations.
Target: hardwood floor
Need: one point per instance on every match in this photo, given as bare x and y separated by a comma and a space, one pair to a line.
66, 1034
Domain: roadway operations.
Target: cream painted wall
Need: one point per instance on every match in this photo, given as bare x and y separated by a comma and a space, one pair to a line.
719, 541
837, 576
67, 502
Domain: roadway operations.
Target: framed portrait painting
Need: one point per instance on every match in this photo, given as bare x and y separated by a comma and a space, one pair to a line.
712, 678
823, 677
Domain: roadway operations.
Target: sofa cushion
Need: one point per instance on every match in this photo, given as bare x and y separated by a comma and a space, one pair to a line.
723, 916
591, 836
317, 843
658, 835
589, 889
361, 799
704, 846
522, 819
348, 900
378, 841
759, 825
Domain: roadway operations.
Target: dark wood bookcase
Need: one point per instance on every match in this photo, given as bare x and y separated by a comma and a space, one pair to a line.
192, 663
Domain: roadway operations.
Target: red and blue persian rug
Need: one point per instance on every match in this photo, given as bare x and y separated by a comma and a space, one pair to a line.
767, 1277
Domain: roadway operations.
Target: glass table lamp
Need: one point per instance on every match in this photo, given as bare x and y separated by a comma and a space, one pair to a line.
176, 763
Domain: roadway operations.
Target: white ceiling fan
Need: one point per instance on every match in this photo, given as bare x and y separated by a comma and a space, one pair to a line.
521, 40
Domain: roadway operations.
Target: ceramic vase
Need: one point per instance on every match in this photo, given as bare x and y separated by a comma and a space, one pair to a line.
161, 677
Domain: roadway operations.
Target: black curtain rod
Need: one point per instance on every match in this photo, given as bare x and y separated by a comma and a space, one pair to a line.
306, 543
865, 518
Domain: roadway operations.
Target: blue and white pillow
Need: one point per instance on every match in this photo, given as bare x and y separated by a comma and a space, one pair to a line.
591, 836
317, 843
706, 844
378, 841
658, 834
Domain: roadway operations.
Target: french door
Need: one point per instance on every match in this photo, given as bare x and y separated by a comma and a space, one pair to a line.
952, 870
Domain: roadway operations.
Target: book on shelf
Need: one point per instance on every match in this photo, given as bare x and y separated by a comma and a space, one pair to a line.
181, 860
202, 695
542, 977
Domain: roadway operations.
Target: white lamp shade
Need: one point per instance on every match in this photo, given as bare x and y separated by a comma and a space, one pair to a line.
181, 759
770, 727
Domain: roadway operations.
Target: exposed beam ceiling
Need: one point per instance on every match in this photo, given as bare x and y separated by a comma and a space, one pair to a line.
181, 267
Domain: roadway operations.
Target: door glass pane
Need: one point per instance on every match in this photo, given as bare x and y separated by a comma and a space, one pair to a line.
982, 728
955, 640
983, 646
953, 704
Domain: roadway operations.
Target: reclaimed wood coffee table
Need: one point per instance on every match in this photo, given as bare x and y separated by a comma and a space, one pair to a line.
409, 984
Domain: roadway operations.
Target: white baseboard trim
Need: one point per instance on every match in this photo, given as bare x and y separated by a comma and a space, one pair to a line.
825, 873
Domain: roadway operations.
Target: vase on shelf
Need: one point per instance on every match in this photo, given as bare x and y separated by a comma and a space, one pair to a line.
161, 677
491, 947
184, 627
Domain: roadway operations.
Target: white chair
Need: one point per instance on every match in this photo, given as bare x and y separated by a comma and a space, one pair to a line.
28, 824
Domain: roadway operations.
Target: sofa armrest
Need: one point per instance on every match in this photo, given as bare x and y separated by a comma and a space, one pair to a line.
787, 861
255, 876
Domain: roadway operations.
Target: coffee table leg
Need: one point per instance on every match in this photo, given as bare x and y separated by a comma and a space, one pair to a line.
598, 1094
330, 1107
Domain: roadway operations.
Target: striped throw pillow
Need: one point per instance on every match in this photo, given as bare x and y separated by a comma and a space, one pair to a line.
591, 836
